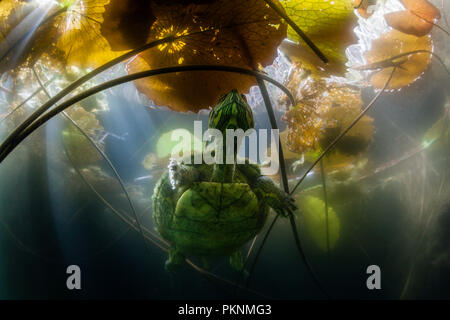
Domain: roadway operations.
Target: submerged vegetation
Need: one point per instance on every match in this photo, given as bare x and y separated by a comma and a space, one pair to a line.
317, 69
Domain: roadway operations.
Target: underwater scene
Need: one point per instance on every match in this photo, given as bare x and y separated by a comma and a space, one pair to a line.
224, 149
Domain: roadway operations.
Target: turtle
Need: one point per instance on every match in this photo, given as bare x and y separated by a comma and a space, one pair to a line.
206, 210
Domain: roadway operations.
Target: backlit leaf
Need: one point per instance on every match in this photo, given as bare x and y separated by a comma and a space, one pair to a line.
323, 112
329, 24
417, 19
409, 68
67, 31
81, 39
226, 32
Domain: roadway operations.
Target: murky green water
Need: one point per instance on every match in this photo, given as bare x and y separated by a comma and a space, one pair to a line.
61, 203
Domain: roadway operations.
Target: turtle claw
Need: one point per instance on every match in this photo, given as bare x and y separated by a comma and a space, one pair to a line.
287, 205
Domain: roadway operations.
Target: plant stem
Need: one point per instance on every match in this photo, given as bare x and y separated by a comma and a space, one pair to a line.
16, 137
105, 157
24, 102
381, 64
294, 26
35, 115
284, 182
343, 133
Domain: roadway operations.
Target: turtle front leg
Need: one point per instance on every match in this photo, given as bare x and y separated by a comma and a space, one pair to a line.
277, 199
176, 259
182, 175
267, 191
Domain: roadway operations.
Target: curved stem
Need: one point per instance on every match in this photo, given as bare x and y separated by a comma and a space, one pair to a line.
430, 22
284, 182
116, 174
121, 215
343, 133
299, 31
148, 235
258, 253
24, 102
274, 125
35, 115
383, 63
104, 156
17, 137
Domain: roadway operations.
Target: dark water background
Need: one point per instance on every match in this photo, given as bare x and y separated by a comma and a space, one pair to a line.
63, 225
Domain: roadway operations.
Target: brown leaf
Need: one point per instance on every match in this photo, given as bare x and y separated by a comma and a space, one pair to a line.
323, 112
417, 20
80, 38
67, 31
408, 68
329, 24
226, 32
16, 20
127, 23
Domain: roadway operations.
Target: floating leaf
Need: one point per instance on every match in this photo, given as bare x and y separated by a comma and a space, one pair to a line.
80, 38
417, 20
329, 24
304, 127
409, 67
226, 32
12, 12
326, 109
17, 18
127, 23
67, 31
314, 217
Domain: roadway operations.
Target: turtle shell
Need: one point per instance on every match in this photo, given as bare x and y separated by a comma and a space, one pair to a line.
210, 218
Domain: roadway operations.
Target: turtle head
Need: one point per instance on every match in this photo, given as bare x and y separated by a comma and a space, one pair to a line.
231, 112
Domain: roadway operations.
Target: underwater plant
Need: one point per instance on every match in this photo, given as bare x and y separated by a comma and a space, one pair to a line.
60, 58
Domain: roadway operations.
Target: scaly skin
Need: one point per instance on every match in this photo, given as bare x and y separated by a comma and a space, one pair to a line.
213, 210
